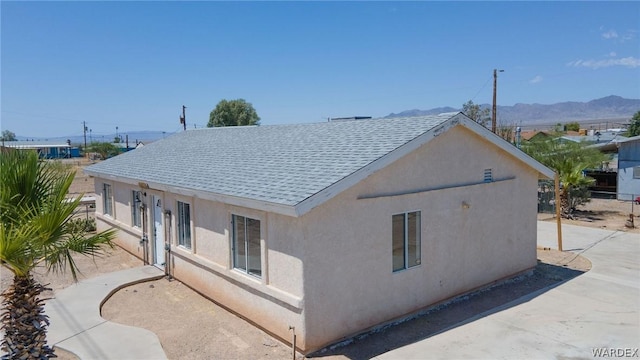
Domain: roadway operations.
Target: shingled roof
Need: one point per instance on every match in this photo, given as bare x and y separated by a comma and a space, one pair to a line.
275, 167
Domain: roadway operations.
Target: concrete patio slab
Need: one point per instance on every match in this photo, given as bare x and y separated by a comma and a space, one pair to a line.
76, 324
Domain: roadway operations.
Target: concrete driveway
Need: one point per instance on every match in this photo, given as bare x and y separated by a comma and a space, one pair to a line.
594, 315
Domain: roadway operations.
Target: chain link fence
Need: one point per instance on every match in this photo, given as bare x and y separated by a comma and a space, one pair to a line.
547, 200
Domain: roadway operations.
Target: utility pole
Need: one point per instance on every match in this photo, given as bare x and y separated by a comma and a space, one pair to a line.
183, 118
495, 86
84, 129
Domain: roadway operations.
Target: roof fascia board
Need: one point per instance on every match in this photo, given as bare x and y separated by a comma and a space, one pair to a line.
331, 191
506, 146
202, 194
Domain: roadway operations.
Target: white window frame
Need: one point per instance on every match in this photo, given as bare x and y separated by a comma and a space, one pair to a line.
405, 241
245, 244
136, 212
184, 233
107, 200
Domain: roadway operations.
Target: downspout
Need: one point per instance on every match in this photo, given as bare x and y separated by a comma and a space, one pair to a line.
144, 240
167, 245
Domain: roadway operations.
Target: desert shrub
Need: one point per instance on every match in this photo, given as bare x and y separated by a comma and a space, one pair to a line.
80, 225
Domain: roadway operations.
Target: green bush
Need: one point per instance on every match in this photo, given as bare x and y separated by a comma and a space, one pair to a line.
80, 225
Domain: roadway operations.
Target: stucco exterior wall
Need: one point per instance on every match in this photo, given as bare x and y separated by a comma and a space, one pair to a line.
628, 158
128, 237
349, 282
273, 302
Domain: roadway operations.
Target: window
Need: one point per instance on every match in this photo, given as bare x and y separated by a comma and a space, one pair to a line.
636, 172
136, 201
488, 175
246, 245
406, 240
107, 198
184, 225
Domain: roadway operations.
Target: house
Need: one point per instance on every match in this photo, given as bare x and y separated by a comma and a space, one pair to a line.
629, 168
534, 135
331, 228
45, 149
595, 137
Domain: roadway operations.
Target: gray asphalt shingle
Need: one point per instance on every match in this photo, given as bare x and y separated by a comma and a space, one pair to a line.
281, 164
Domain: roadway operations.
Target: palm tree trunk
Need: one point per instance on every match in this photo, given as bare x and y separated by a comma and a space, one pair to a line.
565, 205
24, 322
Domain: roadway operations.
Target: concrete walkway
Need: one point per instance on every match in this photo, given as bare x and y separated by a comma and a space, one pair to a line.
599, 309
76, 324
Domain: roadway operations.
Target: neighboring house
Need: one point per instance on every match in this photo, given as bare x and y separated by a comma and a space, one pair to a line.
629, 168
598, 137
333, 227
534, 135
45, 149
124, 146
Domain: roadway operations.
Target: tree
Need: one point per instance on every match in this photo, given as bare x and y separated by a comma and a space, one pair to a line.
569, 159
233, 113
8, 136
476, 113
558, 129
634, 126
572, 126
105, 149
36, 230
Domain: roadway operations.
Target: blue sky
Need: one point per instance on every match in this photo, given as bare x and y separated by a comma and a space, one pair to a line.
134, 64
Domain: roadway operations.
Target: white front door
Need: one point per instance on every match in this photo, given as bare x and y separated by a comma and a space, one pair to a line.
158, 233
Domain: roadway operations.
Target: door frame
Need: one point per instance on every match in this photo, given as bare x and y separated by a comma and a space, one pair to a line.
158, 230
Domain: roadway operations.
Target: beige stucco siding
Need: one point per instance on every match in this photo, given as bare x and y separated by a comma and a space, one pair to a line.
273, 302
128, 237
348, 265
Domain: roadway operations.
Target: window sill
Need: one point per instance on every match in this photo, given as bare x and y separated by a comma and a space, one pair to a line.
248, 275
406, 269
184, 248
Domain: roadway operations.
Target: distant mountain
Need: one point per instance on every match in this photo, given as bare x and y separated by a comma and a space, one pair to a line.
416, 112
609, 107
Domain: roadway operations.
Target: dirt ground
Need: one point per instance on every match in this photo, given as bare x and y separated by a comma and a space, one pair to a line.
609, 214
192, 327
81, 183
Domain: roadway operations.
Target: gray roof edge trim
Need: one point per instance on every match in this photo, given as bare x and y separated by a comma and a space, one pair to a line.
282, 209
629, 139
506, 146
350, 180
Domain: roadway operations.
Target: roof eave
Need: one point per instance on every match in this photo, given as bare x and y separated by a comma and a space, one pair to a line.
267, 206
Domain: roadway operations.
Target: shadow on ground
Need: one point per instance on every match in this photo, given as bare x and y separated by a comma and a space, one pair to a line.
458, 312
595, 215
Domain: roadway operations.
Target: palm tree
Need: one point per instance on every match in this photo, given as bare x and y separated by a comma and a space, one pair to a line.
35, 229
569, 160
